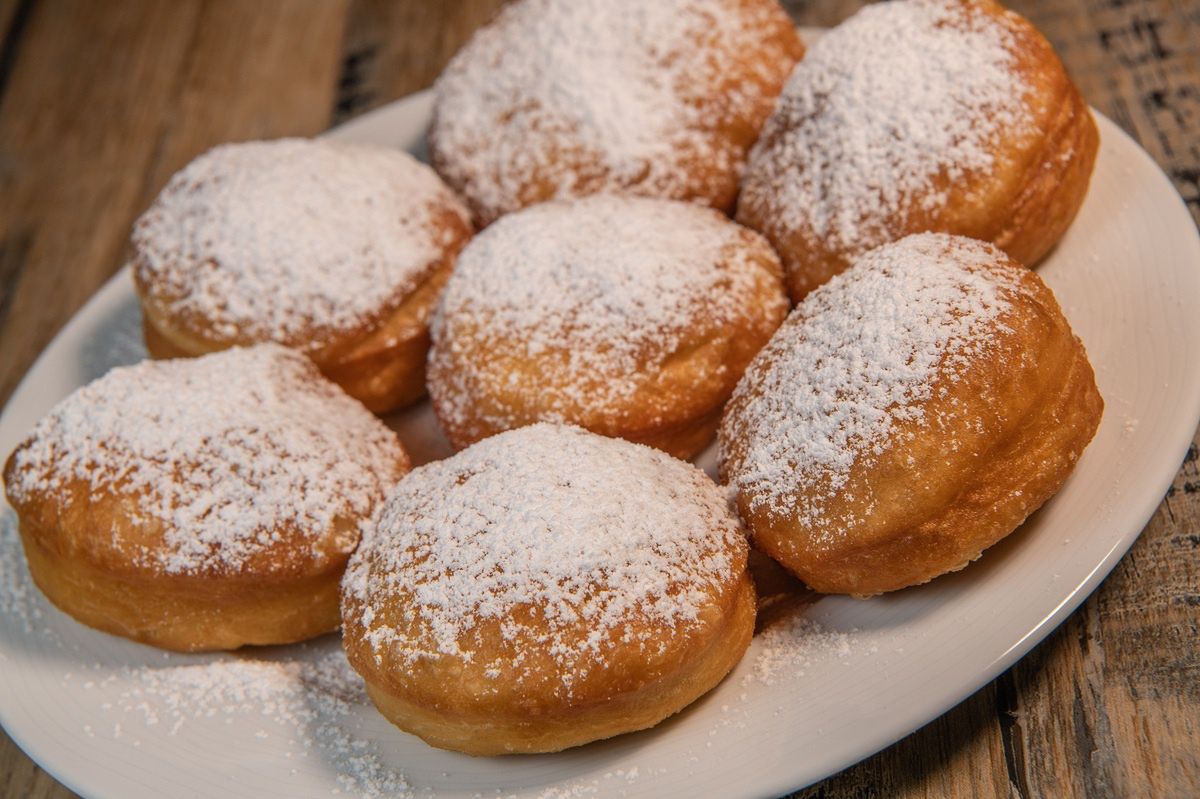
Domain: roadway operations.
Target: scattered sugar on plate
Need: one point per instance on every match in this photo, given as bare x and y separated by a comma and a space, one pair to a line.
313, 701
19, 597
310, 701
790, 646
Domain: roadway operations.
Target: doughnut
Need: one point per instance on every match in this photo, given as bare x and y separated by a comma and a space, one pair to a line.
545, 588
201, 503
333, 249
909, 414
566, 98
628, 316
914, 116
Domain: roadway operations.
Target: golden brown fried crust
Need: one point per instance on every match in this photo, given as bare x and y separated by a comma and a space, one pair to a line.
451, 704
381, 364
1024, 204
676, 408
1039, 179
185, 614
938, 495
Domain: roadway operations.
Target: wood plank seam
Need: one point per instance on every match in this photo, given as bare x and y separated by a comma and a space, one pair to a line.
1012, 735
354, 94
14, 249
1102, 776
12, 41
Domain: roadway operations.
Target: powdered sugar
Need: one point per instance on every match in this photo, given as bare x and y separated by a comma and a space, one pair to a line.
787, 649
310, 700
589, 94
18, 595
854, 359
291, 240
598, 537
308, 696
231, 453
600, 292
886, 112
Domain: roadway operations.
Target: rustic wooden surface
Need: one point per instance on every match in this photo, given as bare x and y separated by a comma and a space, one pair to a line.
101, 101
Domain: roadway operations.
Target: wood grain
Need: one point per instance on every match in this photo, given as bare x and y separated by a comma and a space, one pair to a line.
82, 157
20, 778
101, 102
394, 49
1139, 63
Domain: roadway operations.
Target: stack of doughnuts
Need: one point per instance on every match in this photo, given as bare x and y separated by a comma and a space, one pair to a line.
565, 577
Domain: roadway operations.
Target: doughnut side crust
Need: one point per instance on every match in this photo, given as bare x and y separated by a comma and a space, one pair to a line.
1040, 176
382, 367
1042, 205
184, 614
990, 445
474, 719
88, 555
1023, 200
676, 407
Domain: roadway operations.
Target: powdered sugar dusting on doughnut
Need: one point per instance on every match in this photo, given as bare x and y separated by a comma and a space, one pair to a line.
606, 282
292, 240
901, 98
231, 453
626, 82
858, 356
596, 537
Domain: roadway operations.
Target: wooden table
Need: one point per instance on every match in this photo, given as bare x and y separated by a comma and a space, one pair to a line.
101, 101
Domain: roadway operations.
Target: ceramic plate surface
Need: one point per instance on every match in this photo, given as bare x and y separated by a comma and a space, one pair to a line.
110, 718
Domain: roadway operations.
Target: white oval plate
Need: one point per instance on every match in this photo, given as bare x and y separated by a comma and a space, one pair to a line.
100, 713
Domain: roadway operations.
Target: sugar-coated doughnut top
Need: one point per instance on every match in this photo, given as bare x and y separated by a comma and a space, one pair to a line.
292, 240
617, 282
857, 357
228, 454
900, 94
562, 537
628, 82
